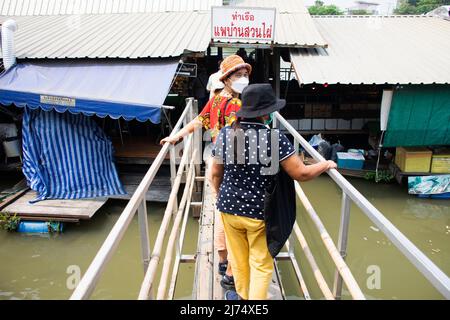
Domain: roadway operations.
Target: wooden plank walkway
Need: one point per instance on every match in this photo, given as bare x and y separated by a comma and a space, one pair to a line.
207, 279
159, 190
54, 210
204, 272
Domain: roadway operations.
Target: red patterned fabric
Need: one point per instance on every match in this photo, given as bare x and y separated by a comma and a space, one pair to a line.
219, 112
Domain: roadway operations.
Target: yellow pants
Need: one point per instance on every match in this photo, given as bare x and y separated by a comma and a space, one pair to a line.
251, 261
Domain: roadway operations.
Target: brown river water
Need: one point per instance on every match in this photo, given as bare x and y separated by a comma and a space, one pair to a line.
46, 266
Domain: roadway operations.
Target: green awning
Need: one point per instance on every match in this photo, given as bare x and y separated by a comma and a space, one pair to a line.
419, 116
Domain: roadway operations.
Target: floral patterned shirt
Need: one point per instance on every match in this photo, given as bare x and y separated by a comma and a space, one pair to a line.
220, 111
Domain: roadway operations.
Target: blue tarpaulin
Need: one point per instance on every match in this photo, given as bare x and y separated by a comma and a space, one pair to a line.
131, 90
67, 156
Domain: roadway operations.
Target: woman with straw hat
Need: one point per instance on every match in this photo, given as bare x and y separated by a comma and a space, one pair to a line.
219, 112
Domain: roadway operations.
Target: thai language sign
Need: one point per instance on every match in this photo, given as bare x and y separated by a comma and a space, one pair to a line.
187, 70
60, 101
241, 23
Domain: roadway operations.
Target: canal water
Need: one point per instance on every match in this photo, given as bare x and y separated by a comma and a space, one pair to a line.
47, 266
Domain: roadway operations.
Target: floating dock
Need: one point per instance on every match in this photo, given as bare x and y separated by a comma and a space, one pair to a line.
50, 210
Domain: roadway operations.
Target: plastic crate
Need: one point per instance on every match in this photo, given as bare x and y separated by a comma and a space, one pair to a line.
413, 159
440, 162
349, 160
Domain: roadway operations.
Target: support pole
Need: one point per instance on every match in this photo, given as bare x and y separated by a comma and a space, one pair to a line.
342, 242
173, 174
347, 276
276, 70
143, 229
197, 149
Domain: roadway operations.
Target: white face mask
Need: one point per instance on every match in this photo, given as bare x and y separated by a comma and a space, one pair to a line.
239, 84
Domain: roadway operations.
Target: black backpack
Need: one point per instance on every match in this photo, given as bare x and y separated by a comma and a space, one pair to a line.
279, 211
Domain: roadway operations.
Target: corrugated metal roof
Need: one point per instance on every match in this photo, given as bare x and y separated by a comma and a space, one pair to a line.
283, 6
131, 35
294, 25
140, 35
62, 7
377, 49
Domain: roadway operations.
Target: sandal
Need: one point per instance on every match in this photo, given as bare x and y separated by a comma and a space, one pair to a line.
223, 267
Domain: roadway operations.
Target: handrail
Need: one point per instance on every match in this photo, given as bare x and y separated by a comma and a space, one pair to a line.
190, 177
150, 273
343, 269
432, 272
137, 202
109, 246
323, 286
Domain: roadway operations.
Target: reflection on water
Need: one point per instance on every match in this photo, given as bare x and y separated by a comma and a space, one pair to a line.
45, 267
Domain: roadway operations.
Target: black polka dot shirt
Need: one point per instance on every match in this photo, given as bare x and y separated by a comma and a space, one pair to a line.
249, 167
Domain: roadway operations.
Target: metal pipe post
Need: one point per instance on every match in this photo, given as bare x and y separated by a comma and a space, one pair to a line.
342, 242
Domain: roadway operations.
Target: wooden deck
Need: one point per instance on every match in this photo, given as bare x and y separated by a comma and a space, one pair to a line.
207, 280
137, 150
400, 175
50, 210
14, 166
16, 200
159, 190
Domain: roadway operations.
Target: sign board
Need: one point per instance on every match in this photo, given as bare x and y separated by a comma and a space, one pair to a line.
242, 23
60, 101
187, 70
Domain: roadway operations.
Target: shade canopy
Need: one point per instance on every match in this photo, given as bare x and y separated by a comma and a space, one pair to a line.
419, 116
130, 89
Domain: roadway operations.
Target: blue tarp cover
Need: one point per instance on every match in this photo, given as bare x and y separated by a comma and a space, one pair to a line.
128, 89
67, 156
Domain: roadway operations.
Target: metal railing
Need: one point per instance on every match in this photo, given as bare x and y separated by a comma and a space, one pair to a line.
138, 203
349, 193
188, 167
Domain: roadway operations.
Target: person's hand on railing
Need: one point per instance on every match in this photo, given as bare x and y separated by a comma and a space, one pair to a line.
331, 164
172, 140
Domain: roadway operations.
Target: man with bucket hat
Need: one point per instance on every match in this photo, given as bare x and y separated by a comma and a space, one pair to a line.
246, 159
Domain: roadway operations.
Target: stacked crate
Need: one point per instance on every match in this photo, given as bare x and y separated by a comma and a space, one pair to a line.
440, 161
417, 159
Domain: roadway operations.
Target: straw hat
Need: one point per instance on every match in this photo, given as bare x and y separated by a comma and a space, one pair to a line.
232, 63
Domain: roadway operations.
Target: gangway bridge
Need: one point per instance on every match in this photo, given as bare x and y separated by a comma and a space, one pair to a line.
187, 178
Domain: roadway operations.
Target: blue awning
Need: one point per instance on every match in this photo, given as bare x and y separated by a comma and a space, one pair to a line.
129, 89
